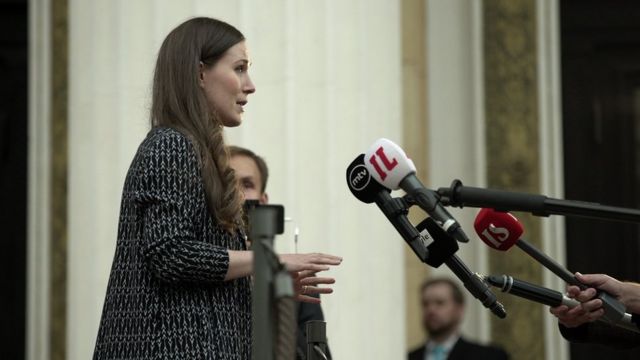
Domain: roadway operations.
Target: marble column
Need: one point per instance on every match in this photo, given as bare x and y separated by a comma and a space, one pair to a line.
415, 127
513, 163
59, 178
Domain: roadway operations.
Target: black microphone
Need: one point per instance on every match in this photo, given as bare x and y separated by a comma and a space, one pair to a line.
390, 166
473, 282
530, 291
431, 244
367, 190
545, 296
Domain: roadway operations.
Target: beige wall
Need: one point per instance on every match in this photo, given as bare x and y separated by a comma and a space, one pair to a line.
456, 131
39, 193
414, 113
444, 124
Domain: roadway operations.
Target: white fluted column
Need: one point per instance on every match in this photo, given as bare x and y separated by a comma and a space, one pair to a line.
39, 199
551, 156
456, 120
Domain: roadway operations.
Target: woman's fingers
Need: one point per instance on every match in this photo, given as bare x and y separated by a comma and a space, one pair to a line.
306, 273
315, 267
324, 259
327, 259
312, 281
306, 293
314, 262
309, 285
303, 268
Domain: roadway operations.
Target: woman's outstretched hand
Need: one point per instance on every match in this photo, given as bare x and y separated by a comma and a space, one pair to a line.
314, 261
303, 268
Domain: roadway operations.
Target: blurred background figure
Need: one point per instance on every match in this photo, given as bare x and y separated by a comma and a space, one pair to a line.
442, 313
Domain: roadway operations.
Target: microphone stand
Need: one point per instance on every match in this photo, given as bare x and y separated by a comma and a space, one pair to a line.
396, 210
316, 340
458, 195
271, 283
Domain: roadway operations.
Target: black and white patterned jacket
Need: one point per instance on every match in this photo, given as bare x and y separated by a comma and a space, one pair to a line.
166, 297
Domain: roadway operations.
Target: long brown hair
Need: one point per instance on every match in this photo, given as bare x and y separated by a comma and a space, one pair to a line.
180, 103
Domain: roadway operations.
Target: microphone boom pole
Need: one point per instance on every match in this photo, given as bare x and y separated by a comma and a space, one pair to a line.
458, 195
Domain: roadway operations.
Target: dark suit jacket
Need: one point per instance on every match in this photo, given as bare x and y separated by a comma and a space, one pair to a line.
602, 333
464, 350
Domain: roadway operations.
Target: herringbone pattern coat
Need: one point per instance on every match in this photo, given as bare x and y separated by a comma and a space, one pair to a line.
166, 297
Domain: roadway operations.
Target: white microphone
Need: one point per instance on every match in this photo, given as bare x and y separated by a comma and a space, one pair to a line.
390, 166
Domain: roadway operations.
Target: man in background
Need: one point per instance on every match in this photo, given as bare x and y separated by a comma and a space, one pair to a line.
442, 313
252, 174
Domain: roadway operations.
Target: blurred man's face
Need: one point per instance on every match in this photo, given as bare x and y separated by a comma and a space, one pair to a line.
249, 177
441, 315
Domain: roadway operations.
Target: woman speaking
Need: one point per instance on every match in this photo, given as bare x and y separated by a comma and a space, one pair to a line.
179, 286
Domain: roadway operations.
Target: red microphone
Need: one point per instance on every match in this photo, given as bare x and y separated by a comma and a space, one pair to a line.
500, 230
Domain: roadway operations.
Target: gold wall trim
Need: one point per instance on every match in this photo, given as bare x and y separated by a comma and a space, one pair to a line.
513, 155
59, 156
414, 105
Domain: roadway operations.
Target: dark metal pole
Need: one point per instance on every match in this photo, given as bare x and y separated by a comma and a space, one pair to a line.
263, 227
316, 340
459, 195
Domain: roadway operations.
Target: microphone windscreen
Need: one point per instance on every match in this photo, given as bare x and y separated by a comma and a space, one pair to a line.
360, 182
388, 163
499, 230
